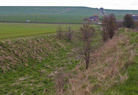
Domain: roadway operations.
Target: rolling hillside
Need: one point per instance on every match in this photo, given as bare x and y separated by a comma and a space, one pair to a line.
54, 14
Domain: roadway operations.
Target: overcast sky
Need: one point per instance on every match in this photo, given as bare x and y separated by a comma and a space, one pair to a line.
108, 4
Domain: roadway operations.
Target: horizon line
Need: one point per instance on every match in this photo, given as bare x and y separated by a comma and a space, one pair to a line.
67, 6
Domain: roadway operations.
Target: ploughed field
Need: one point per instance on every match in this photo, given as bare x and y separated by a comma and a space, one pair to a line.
15, 30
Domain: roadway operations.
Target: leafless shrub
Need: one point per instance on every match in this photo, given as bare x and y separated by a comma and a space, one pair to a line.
109, 27
65, 34
128, 21
87, 33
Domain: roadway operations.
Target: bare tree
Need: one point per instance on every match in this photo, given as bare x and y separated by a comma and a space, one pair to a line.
109, 26
128, 21
113, 26
87, 33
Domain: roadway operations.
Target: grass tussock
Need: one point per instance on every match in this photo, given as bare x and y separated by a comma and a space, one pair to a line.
108, 65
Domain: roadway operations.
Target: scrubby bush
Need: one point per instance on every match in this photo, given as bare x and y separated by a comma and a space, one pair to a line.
128, 21
65, 34
109, 27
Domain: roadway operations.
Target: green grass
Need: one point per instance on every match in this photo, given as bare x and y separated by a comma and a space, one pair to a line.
130, 86
14, 30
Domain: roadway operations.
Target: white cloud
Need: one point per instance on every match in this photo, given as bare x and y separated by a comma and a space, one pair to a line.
109, 4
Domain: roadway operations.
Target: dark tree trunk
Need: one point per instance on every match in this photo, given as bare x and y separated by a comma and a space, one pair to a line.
87, 60
87, 64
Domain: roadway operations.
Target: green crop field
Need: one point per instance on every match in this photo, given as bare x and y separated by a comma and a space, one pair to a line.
55, 14
13, 30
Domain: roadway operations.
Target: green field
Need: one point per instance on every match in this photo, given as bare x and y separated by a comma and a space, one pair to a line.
55, 14
46, 14
14, 30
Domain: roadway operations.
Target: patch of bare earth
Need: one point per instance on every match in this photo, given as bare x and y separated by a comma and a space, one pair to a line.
107, 68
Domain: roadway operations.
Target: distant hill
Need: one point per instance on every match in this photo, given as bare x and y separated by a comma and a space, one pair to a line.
55, 14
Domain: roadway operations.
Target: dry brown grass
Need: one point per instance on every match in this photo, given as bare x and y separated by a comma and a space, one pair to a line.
107, 68
61, 80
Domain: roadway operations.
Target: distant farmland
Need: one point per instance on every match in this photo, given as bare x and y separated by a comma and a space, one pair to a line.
54, 14
14, 30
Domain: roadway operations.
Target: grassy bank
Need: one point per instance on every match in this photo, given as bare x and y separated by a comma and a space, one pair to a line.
130, 86
31, 69
113, 69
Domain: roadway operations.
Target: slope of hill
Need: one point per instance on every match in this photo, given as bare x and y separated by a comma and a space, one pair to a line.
54, 14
